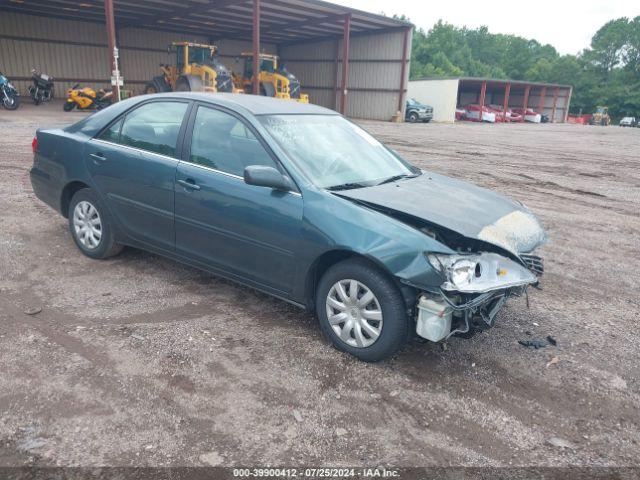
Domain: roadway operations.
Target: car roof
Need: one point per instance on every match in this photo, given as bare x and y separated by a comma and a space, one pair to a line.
241, 103
255, 104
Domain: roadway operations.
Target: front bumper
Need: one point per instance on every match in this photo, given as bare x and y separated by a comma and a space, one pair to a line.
462, 315
450, 311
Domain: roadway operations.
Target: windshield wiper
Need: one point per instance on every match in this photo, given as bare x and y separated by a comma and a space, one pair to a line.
398, 177
347, 186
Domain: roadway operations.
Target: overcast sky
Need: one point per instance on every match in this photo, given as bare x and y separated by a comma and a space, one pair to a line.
568, 25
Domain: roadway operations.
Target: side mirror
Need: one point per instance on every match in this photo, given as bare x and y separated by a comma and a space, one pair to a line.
263, 176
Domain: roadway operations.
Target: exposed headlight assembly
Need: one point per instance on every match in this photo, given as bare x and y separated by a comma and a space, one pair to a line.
480, 273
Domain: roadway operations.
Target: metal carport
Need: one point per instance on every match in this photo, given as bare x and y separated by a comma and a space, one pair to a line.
447, 93
350, 60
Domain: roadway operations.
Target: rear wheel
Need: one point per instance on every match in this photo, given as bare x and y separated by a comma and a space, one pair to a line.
361, 310
90, 226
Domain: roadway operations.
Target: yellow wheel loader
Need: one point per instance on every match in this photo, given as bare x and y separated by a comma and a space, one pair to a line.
274, 82
601, 117
197, 70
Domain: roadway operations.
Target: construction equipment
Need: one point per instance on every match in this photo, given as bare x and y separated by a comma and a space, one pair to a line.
274, 82
196, 70
601, 117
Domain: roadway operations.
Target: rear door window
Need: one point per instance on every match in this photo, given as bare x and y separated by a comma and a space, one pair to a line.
153, 127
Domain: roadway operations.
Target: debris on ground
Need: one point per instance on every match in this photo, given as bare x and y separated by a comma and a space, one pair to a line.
551, 340
534, 343
553, 361
560, 443
33, 310
341, 432
298, 416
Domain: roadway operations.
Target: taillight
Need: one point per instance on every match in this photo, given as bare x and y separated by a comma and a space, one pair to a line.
34, 144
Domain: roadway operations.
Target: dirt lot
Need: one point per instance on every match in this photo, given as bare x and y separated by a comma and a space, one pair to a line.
141, 361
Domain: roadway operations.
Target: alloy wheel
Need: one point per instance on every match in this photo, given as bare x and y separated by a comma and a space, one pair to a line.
354, 313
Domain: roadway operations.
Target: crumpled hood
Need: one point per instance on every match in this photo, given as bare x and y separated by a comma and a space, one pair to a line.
467, 209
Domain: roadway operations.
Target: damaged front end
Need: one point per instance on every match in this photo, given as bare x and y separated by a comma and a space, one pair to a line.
478, 279
480, 251
474, 290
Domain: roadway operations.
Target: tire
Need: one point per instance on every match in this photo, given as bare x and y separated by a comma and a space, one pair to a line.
183, 85
68, 106
150, 89
86, 204
413, 117
12, 103
189, 83
393, 327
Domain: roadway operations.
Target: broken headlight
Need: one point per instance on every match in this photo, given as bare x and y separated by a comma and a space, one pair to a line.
480, 273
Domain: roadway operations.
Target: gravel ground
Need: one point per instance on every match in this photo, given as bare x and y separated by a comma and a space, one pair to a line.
141, 361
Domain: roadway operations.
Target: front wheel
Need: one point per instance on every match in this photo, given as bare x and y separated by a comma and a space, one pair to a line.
413, 117
150, 89
68, 106
361, 310
90, 226
11, 102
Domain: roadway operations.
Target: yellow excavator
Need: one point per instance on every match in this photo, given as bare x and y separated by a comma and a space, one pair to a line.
274, 82
196, 70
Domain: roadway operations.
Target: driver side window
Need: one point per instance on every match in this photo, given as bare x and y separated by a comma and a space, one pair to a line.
222, 142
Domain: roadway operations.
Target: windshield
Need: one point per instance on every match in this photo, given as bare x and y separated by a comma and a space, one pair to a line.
334, 152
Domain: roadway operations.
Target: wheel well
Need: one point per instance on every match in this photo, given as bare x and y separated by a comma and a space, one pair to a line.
323, 263
68, 192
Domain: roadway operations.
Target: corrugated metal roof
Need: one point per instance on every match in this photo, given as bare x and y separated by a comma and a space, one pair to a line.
282, 21
493, 81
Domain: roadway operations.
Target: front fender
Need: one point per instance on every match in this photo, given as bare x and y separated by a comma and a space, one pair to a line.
333, 223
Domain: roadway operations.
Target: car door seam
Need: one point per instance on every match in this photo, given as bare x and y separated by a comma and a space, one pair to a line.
140, 206
228, 233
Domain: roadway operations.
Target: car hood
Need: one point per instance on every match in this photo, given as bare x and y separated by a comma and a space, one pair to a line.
469, 210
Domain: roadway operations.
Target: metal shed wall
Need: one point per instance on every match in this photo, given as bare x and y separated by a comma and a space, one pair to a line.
375, 68
74, 51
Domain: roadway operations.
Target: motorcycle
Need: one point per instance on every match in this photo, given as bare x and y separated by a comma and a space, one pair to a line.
42, 88
86, 98
8, 94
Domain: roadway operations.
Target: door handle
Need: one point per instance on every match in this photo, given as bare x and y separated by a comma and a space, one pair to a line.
98, 158
189, 184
